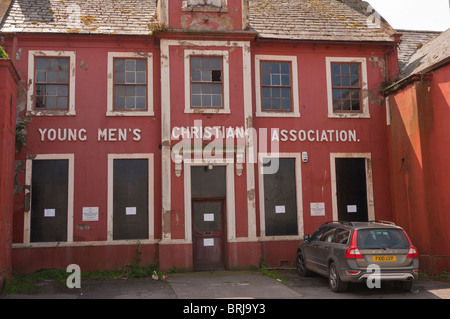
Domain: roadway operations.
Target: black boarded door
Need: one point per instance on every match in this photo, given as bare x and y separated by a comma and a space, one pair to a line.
208, 235
49, 200
130, 197
351, 188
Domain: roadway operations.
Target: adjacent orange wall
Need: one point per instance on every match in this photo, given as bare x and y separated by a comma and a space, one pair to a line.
419, 131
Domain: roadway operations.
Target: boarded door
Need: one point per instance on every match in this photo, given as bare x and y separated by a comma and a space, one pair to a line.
351, 188
208, 235
280, 199
49, 200
130, 199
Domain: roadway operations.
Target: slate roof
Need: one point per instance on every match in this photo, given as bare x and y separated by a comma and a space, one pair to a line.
412, 40
431, 54
279, 19
314, 20
96, 16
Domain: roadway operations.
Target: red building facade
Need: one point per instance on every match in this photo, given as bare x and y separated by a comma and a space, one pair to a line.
8, 99
204, 135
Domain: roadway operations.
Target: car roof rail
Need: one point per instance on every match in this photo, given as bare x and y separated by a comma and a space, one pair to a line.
342, 222
382, 222
332, 222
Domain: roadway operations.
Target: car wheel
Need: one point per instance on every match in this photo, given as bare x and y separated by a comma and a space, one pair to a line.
301, 266
336, 284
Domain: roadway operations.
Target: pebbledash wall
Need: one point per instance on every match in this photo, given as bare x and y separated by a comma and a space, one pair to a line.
211, 173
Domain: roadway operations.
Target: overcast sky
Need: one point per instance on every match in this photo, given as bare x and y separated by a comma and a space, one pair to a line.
431, 15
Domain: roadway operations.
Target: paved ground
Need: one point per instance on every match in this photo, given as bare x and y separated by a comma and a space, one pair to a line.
229, 285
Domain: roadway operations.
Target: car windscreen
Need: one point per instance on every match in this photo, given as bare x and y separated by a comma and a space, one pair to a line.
382, 239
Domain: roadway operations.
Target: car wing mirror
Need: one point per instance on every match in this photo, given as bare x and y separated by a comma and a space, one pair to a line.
306, 238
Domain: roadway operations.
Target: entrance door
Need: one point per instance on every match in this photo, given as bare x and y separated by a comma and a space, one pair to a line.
208, 234
49, 200
351, 189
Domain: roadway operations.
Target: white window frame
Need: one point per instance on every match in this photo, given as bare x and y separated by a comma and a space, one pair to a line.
110, 84
151, 199
298, 188
225, 82
294, 86
364, 88
70, 202
32, 54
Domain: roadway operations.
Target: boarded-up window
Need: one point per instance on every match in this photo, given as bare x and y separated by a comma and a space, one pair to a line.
280, 199
49, 200
130, 199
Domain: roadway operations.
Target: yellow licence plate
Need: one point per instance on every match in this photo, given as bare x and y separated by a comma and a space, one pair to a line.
384, 258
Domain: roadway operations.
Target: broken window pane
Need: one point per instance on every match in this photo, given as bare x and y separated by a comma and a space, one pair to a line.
206, 81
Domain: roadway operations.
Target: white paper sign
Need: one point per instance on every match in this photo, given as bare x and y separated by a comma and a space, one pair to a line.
90, 214
280, 209
317, 209
130, 211
208, 242
49, 212
208, 217
351, 209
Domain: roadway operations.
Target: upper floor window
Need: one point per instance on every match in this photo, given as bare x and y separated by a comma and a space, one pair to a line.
52, 83
130, 89
346, 82
276, 81
52, 75
206, 82
130, 84
347, 87
276, 86
206, 75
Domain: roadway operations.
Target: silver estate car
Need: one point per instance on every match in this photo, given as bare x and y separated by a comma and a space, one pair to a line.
347, 252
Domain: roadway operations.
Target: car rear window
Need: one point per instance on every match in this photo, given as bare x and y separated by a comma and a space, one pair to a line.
382, 238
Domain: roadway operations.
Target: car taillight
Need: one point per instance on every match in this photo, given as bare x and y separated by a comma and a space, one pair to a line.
353, 251
412, 253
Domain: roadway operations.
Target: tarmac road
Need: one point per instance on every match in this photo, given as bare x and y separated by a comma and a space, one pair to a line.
229, 285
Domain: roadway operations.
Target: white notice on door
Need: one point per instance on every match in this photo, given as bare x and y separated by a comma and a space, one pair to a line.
208, 242
49, 212
90, 214
208, 217
280, 209
130, 211
352, 209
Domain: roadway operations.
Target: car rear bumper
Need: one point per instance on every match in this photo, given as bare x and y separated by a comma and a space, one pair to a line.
389, 276
384, 276
358, 274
